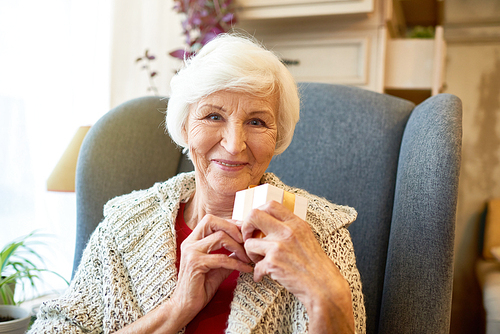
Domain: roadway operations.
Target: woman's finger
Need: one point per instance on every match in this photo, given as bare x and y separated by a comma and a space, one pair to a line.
211, 224
256, 249
277, 210
238, 223
208, 262
259, 271
215, 242
261, 221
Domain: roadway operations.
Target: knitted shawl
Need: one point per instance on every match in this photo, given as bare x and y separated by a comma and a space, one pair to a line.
128, 267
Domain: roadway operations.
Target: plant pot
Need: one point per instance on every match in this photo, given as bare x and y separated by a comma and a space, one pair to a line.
20, 322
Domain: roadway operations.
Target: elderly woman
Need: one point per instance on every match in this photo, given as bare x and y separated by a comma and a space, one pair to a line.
170, 258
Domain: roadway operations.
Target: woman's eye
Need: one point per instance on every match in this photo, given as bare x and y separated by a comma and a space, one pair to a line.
257, 122
214, 117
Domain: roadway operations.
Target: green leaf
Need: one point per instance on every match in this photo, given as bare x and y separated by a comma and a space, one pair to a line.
16, 265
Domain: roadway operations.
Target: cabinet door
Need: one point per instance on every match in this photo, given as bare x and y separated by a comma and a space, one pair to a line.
345, 57
332, 61
262, 9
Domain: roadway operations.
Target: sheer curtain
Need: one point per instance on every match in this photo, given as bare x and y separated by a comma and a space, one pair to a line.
54, 77
137, 26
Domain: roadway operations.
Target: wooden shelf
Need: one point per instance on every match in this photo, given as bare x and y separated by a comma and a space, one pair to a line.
352, 42
402, 14
415, 63
271, 9
416, 96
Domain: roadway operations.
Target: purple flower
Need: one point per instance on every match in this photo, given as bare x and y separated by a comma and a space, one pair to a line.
228, 17
180, 54
203, 20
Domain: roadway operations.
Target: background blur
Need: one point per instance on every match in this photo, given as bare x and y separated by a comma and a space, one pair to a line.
64, 63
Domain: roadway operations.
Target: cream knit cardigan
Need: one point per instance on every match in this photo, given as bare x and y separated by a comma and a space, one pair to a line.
128, 268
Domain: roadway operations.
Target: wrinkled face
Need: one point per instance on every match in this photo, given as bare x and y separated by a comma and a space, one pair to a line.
231, 138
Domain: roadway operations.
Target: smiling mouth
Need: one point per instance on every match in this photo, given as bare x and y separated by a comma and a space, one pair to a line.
230, 164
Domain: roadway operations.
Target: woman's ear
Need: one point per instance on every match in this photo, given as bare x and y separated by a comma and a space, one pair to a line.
184, 133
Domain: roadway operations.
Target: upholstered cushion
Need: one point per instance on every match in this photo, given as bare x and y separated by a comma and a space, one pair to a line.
127, 149
346, 148
397, 164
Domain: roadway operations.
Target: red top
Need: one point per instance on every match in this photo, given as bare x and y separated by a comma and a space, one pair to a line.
213, 318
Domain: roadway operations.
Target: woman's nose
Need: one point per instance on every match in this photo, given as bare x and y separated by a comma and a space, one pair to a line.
234, 140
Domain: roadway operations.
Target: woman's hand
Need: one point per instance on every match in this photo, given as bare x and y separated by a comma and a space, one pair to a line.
291, 255
201, 273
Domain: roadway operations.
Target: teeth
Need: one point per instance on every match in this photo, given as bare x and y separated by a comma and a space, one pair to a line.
228, 165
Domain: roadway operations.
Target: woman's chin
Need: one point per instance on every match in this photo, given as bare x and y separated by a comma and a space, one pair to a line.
228, 185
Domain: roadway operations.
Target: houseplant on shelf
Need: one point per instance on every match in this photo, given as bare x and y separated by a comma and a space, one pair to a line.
17, 268
202, 21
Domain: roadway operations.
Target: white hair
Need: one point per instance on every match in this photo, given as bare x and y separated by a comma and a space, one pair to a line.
234, 63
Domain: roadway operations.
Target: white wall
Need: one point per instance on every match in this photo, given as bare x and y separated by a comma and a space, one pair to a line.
64, 64
141, 25
473, 74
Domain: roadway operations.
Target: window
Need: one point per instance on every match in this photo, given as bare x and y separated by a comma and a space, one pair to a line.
54, 77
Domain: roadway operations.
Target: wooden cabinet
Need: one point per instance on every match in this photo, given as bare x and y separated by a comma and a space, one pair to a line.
337, 57
414, 67
337, 46
416, 63
265, 9
352, 42
329, 60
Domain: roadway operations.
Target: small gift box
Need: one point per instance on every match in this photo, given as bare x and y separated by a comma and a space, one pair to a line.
251, 198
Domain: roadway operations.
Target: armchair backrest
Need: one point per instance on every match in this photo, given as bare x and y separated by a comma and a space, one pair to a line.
127, 149
397, 164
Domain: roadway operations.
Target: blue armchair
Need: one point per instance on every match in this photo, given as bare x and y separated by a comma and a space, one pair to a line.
397, 164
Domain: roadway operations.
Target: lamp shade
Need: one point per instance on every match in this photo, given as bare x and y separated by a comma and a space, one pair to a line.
62, 177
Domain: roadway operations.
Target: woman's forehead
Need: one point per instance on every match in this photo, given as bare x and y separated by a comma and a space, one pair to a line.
229, 99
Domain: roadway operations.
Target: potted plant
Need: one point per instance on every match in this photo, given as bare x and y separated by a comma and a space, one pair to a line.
18, 268
202, 21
